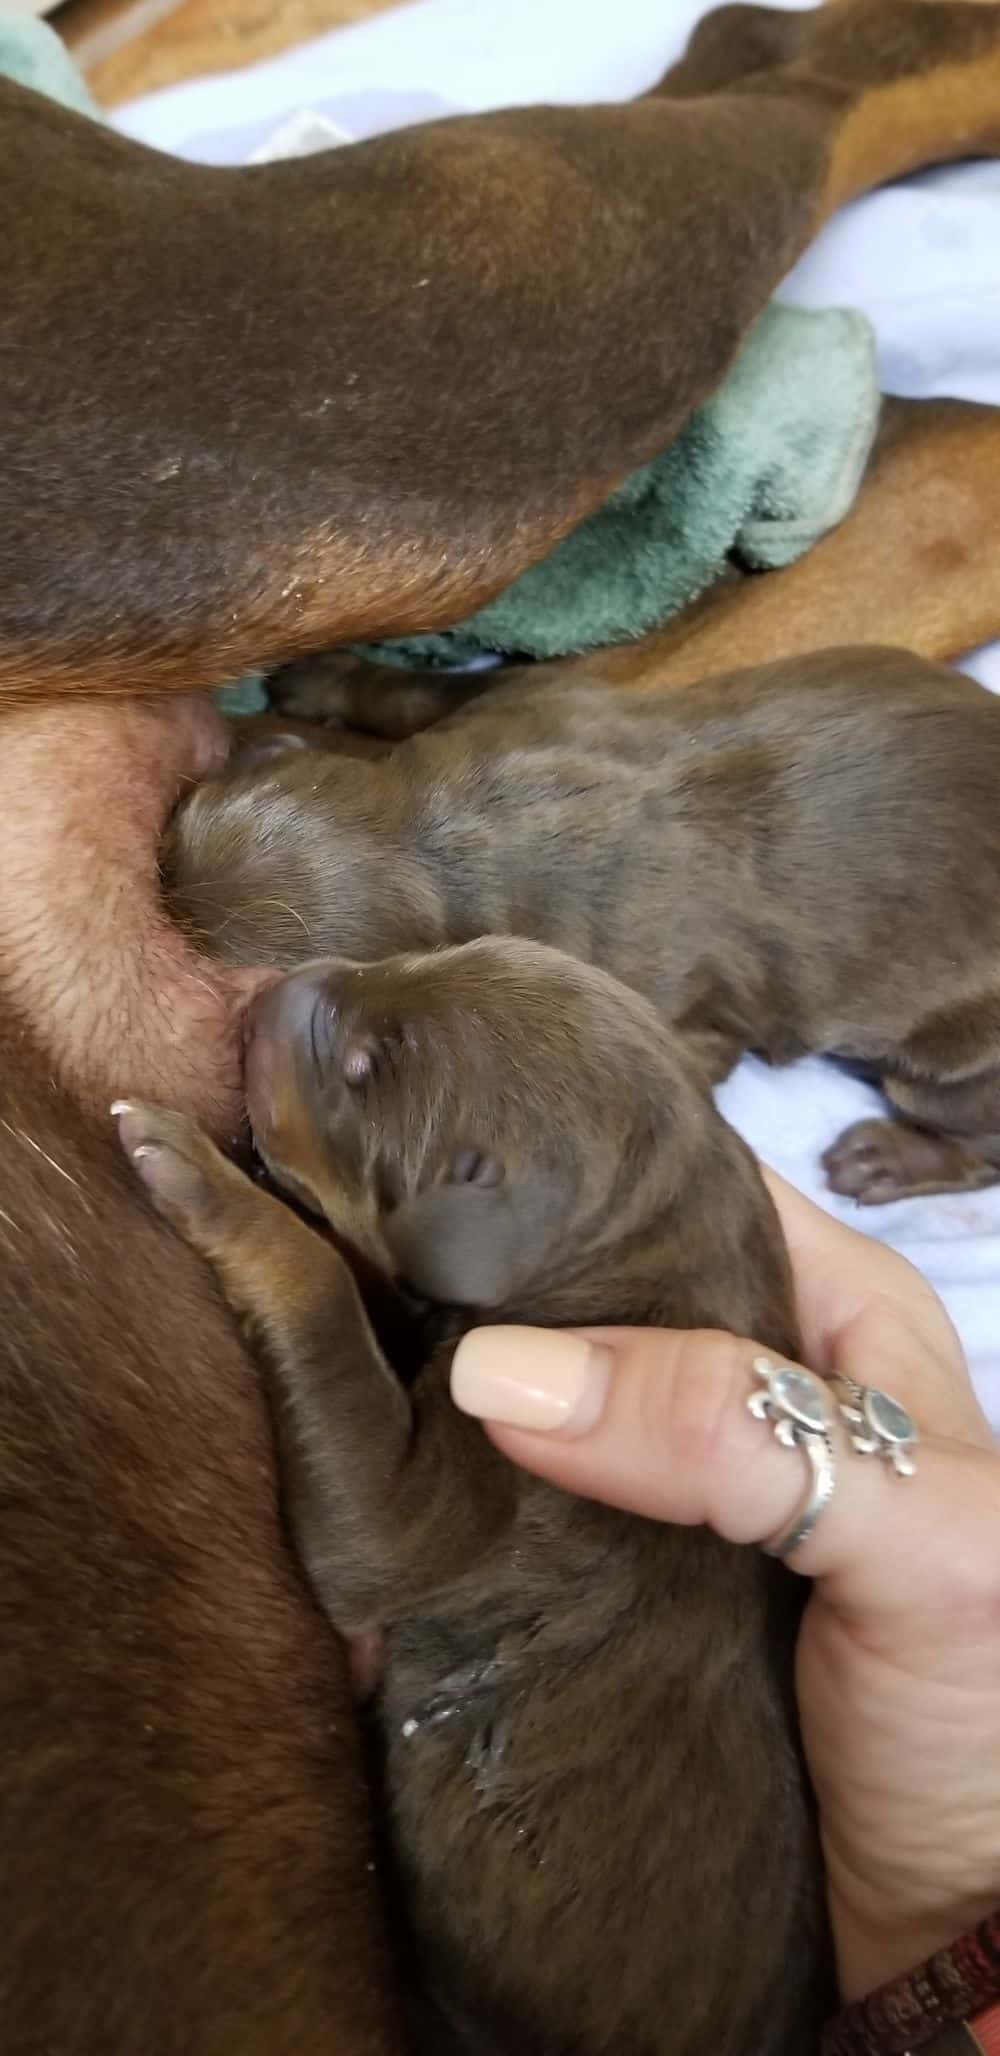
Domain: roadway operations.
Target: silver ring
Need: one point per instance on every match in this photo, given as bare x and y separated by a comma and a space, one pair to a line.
799, 1405
878, 1425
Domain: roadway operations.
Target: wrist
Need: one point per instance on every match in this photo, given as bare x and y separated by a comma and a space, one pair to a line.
948, 2005
872, 1952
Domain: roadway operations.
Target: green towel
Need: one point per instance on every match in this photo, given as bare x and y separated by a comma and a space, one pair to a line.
32, 55
768, 465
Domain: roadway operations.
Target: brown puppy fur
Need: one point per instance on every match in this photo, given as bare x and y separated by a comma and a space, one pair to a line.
739, 854
186, 1866
598, 1813
262, 411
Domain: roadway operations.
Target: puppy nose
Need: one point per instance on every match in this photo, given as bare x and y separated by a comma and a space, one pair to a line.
283, 1012
322, 1017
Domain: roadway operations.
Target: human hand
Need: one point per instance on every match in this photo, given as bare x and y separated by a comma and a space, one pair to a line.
898, 1670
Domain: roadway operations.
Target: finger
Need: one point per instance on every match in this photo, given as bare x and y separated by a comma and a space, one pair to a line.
864, 1310
658, 1422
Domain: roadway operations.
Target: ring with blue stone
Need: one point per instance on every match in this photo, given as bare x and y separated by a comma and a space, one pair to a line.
878, 1425
803, 1412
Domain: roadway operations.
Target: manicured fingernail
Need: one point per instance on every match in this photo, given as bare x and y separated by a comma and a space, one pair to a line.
536, 1378
121, 1106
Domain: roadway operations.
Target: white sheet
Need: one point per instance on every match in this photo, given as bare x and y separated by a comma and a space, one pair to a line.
923, 259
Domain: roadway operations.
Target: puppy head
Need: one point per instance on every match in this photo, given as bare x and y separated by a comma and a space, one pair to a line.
476, 1120
290, 854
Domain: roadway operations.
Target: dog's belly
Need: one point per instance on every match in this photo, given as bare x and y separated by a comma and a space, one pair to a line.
116, 998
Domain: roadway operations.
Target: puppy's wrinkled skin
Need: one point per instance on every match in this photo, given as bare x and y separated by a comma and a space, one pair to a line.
597, 1808
800, 857
423, 359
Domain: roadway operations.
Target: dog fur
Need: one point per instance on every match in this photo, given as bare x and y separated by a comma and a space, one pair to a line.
739, 853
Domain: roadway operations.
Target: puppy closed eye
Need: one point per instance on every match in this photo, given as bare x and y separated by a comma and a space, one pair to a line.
475, 1167
359, 1059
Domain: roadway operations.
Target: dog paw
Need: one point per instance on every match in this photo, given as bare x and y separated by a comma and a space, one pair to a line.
876, 1162
183, 1172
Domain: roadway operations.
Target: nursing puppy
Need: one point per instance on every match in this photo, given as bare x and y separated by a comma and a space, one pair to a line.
799, 857
594, 1793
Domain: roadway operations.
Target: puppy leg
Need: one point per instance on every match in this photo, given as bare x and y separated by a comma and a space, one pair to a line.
387, 1497
917, 554
338, 690
876, 1162
945, 1082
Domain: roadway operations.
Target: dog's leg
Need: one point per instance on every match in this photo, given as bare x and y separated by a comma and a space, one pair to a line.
387, 1498
948, 1139
907, 67
876, 1162
913, 564
731, 44
561, 279
340, 691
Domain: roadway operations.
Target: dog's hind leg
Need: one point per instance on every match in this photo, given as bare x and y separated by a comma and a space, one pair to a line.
594, 271
945, 1085
914, 563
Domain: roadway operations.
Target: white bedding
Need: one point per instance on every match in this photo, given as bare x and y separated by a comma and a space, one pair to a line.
923, 260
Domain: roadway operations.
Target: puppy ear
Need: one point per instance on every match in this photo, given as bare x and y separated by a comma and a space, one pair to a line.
458, 1244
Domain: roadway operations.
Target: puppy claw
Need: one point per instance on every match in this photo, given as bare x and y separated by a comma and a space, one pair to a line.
177, 1164
866, 1164
879, 1162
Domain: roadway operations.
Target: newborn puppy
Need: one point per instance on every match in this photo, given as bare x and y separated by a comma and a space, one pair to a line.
799, 857
596, 1803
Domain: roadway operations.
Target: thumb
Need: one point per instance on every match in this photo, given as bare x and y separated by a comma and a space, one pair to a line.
657, 1421
654, 1420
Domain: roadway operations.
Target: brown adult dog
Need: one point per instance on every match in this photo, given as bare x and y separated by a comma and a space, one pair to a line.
592, 1779
739, 854
186, 1841
186, 1865
255, 413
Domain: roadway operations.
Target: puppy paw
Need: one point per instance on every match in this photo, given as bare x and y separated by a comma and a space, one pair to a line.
876, 1162
187, 1178
267, 1262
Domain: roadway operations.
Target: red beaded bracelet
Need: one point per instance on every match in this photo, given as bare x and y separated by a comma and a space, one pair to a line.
950, 2006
